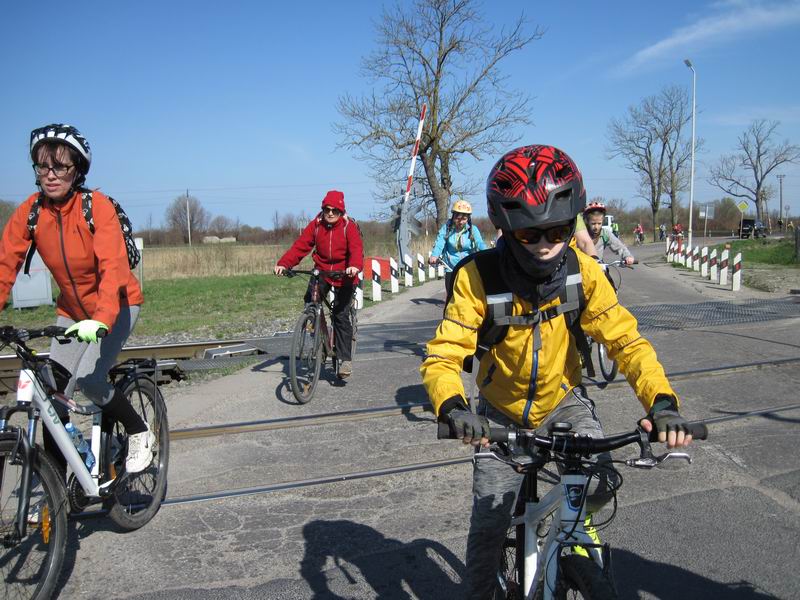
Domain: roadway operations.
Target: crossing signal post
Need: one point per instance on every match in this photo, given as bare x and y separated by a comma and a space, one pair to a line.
405, 224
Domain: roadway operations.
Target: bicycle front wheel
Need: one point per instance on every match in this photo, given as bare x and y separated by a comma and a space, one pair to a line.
31, 566
509, 575
581, 577
305, 357
138, 496
608, 367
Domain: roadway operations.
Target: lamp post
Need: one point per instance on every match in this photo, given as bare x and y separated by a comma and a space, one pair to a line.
691, 177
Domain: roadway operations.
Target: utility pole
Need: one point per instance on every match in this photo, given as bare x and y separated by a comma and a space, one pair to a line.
188, 219
780, 210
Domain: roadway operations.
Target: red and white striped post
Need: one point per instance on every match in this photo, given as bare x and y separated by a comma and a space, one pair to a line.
704, 262
723, 268
696, 259
712, 266
737, 272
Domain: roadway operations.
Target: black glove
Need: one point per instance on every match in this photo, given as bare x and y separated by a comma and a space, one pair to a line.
466, 424
665, 416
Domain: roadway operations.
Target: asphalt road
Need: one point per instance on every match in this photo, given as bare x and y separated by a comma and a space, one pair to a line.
725, 527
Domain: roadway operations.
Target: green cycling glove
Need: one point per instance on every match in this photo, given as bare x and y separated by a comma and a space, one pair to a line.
87, 330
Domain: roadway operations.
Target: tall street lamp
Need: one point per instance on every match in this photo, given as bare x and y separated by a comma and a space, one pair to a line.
691, 177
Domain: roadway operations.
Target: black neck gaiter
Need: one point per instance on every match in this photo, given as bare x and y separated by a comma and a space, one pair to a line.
534, 280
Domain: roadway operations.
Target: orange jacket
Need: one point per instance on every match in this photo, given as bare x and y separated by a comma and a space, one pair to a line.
91, 271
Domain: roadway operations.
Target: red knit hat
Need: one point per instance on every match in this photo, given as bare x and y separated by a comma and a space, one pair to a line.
334, 199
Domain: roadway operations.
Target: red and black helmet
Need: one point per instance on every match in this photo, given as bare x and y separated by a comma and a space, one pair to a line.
534, 186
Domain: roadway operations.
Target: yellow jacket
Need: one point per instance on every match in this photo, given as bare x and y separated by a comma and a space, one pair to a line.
504, 376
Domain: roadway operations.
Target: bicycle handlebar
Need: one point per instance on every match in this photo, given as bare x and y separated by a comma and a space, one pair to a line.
571, 443
316, 273
12, 335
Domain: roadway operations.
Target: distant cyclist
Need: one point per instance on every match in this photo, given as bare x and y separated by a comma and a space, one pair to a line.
99, 292
336, 241
602, 236
638, 233
457, 238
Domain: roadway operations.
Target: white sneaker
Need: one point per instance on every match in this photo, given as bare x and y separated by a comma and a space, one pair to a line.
140, 451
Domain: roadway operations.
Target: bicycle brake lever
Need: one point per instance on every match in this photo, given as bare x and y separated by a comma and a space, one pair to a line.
648, 462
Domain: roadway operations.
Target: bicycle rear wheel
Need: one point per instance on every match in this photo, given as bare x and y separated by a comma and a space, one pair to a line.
305, 357
30, 567
138, 496
608, 367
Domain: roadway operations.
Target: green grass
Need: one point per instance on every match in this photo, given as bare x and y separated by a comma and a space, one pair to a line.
764, 251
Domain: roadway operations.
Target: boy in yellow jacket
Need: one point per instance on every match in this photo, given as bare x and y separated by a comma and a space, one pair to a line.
532, 377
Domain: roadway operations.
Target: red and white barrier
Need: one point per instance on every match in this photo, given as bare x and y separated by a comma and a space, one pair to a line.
712, 266
723, 268
696, 259
737, 272
376, 281
395, 286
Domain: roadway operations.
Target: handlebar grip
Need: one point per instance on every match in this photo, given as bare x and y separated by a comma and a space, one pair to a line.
496, 434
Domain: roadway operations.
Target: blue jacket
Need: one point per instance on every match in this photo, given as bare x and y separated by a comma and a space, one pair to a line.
457, 245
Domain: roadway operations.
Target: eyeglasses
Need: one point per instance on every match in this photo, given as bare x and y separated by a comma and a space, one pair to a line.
554, 235
58, 170
331, 211
458, 215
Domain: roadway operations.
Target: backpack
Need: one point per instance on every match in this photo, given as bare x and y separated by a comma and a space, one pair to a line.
134, 256
499, 300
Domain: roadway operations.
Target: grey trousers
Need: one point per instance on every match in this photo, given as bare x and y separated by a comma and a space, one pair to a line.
495, 488
89, 363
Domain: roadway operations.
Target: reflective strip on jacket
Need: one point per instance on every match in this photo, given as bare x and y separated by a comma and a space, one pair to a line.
505, 373
91, 270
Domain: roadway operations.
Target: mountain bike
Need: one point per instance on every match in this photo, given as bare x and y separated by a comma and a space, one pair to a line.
36, 495
548, 552
313, 340
609, 367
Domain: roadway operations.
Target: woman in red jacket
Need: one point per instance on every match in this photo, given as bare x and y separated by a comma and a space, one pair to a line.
337, 245
98, 290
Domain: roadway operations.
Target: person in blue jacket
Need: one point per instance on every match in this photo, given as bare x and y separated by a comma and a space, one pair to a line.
457, 238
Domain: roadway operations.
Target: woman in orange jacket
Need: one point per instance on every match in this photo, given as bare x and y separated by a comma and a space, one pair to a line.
99, 293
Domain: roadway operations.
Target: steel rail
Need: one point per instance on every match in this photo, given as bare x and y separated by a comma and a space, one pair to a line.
417, 407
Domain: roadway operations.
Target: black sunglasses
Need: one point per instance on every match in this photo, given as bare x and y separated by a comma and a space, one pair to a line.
554, 235
331, 210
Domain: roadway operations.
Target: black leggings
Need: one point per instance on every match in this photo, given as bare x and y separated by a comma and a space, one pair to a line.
342, 327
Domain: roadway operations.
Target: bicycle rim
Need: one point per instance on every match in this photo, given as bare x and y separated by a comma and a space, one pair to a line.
581, 577
305, 357
608, 367
137, 497
509, 574
30, 567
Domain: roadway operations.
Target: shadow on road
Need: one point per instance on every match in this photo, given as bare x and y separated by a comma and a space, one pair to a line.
635, 576
421, 568
411, 396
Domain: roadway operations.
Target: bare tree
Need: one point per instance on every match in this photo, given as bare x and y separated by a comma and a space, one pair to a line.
743, 174
442, 53
651, 140
176, 221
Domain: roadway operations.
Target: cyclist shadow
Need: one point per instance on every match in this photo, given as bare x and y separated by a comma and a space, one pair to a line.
639, 575
77, 530
411, 396
344, 557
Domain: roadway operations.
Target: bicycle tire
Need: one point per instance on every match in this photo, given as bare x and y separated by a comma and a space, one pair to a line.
138, 497
581, 577
509, 574
305, 357
608, 367
23, 575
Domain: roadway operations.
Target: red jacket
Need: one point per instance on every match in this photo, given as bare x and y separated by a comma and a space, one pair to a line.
335, 247
91, 271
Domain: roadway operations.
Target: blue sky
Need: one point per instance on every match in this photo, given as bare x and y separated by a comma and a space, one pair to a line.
234, 101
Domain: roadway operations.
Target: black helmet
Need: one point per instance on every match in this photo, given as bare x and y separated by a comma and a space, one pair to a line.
534, 186
65, 134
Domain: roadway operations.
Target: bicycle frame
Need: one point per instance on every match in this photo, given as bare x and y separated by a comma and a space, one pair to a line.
566, 502
321, 320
